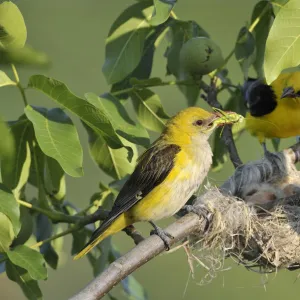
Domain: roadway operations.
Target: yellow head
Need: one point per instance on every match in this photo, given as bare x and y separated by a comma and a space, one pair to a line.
193, 122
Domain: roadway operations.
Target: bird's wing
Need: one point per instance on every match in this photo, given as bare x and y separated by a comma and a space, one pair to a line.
285, 81
152, 168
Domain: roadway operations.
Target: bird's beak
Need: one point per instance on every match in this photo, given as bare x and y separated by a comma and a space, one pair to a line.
288, 92
222, 118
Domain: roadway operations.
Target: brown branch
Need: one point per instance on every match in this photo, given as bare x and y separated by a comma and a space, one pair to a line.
227, 137
134, 234
138, 256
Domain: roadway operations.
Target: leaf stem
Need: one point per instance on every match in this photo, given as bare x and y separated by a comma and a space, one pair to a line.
173, 15
20, 87
42, 198
161, 83
56, 236
51, 214
256, 21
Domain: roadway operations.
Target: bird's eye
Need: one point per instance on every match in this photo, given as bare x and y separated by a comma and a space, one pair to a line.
198, 122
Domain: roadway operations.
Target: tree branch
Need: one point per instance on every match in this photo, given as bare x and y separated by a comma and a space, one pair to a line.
227, 137
138, 256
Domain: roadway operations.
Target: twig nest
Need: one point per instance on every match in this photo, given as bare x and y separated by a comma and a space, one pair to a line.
260, 227
262, 239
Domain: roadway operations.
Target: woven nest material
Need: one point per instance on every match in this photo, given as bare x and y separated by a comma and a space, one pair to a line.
255, 217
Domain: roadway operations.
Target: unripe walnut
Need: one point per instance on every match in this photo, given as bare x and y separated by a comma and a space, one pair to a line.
200, 56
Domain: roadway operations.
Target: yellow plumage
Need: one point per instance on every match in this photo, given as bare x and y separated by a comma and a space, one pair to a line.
166, 175
284, 120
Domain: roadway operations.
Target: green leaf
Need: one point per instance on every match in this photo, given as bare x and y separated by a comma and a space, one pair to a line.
219, 152
140, 83
58, 244
111, 297
113, 162
277, 5
80, 236
261, 32
5, 80
23, 56
125, 41
117, 185
162, 10
89, 114
58, 138
7, 145
134, 289
79, 241
54, 179
149, 109
101, 261
181, 32
29, 286
13, 31
105, 198
6, 233
245, 50
119, 118
26, 230
15, 172
10, 207
30, 260
37, 167
44, 230
283, 43
144, 68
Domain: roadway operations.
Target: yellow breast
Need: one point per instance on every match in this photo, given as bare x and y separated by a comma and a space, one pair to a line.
283, 122
190, 168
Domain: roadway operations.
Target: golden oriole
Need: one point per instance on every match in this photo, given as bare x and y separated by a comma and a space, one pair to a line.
166, 175
274, 110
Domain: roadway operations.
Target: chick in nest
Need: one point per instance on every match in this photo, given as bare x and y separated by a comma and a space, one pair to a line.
262, 195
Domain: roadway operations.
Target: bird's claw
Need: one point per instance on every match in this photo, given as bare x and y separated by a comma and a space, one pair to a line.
165, 236
201, 211
268, 154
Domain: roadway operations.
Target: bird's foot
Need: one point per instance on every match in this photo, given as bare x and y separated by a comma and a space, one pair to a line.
201, 211
165, 236
268, 154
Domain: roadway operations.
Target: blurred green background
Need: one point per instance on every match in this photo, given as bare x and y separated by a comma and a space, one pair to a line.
73, 33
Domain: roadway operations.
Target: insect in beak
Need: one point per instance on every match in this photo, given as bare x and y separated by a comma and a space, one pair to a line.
226, 117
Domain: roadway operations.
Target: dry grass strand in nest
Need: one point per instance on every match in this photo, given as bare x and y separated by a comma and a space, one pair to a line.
262, 240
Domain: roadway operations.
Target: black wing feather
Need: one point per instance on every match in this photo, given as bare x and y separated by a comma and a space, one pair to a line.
153, 167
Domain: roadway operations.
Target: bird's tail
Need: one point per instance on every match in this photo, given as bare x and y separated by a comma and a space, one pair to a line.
120, 223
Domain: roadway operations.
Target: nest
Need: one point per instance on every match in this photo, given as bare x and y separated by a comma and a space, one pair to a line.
255, 217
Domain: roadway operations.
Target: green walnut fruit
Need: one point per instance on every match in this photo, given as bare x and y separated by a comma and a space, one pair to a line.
200, 56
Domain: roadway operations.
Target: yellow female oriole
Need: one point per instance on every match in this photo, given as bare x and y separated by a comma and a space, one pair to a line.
274, 110
166, 175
